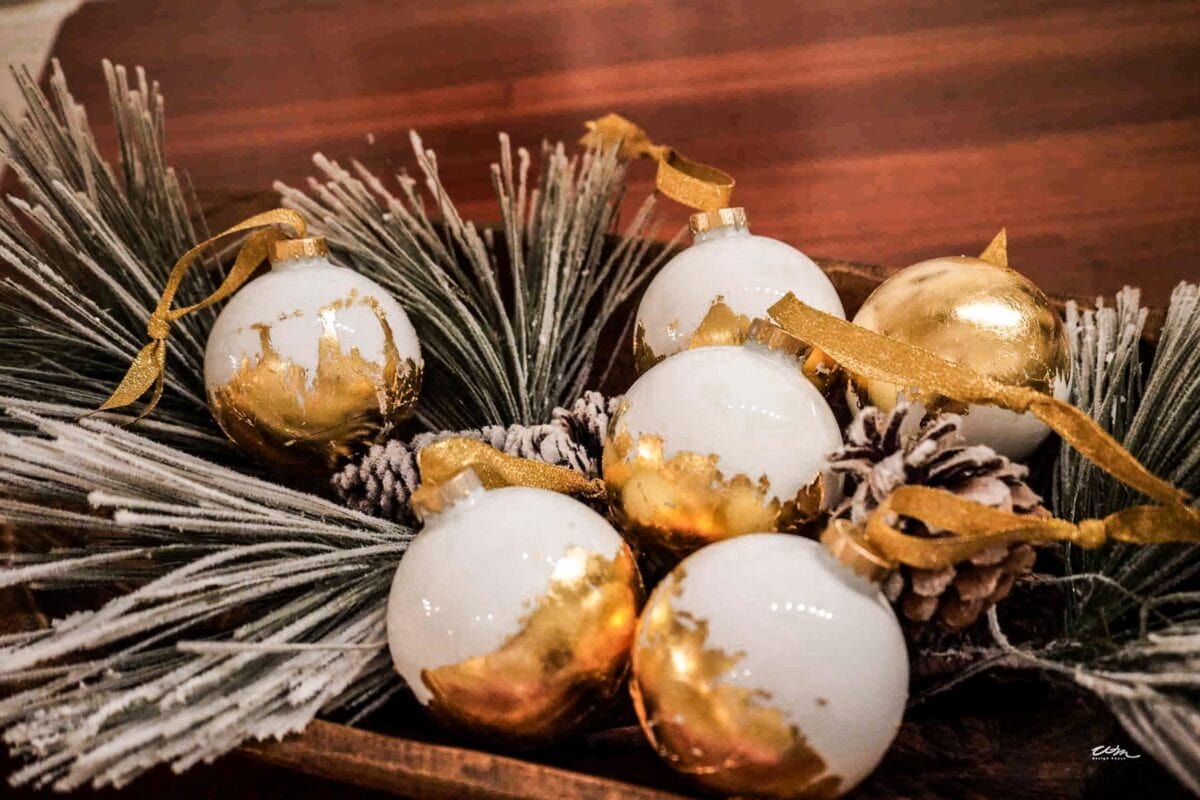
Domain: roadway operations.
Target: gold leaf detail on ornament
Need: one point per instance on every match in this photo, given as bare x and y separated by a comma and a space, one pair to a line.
684, 502
569, 655
275, 411
997, 252
644, 356
720, 326
972, 312
728, 736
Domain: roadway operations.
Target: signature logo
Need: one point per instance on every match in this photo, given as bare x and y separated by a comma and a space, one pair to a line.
1112, 752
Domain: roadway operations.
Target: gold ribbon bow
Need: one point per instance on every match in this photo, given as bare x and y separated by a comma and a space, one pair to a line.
973, 526
685, 181
441, 461
149, 367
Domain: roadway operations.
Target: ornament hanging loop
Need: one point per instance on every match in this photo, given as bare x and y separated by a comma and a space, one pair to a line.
691, 183
149, 366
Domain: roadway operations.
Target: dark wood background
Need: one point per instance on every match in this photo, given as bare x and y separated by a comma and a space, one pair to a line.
858, 129
865, 130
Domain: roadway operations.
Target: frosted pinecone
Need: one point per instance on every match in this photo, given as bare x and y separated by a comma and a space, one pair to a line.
380, 482
882, 453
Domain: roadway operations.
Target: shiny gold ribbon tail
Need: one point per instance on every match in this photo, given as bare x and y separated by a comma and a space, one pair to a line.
149, 366
442, 461
685, 181
970, 527
926, 375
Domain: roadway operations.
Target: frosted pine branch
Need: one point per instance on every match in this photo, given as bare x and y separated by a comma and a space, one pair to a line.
213, 557
509, 318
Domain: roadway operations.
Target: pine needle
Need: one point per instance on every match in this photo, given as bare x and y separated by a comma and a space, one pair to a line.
508, 318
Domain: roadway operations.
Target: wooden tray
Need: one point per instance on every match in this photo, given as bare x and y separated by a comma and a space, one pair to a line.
996, 738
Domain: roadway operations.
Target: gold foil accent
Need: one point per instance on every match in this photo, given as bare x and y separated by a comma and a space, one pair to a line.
569, 656
290, 249
972, 312
728, 737
721, 325
275, 411
773, 337
706, 221
644, 356
997, 251
684, 502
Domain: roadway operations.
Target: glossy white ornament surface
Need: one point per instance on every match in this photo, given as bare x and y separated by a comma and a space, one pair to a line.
807, 638
747, 273
751, 408
513, 611
294, 300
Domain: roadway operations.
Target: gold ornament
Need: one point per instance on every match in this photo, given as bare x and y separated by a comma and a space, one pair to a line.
974, 311
568, 657
727, 736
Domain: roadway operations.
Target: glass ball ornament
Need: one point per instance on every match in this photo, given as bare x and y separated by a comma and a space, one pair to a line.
983, 315
512, 613
720, 441
709, 293
764, 667
309, 361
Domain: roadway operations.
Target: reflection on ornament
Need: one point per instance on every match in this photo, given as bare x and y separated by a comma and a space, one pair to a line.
707, 294
512, 614
982, 314
762, 667
310, 361
720, 441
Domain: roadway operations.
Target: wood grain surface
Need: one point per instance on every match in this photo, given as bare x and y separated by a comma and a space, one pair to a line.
885, 132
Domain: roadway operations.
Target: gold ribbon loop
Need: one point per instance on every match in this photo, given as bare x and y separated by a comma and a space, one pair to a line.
441, 461
685, 181
150, 364
877, 357
974, 527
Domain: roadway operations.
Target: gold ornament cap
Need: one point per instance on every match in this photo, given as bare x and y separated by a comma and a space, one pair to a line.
706, 221
428, 500
844, 542
771, 336
295, 249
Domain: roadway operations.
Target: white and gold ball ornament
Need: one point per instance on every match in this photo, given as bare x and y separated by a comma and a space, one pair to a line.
309, 361
709, 293
720, 441
980, 313
763, 667
512, 613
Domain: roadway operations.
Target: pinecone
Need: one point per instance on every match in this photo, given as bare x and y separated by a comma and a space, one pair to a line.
380, 482
881, 454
